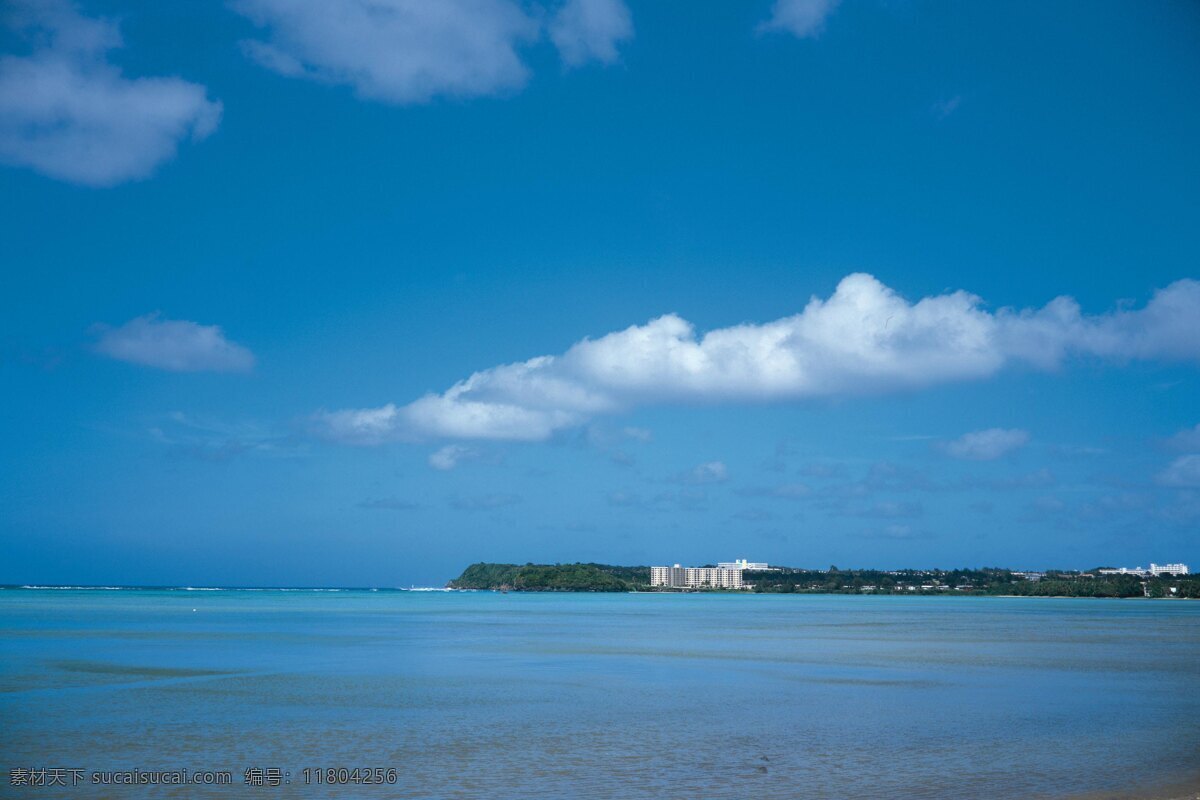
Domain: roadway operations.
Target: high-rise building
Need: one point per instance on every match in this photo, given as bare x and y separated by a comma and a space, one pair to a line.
677, 577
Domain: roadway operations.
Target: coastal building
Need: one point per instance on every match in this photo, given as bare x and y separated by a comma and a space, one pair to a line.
668, 576
677, 577
1155, 569
741, 563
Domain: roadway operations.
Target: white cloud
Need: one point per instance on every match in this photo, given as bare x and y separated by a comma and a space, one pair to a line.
361, 426
411, 51
1183, 472
211, 439
708, 472
175, 345
863, 339
68, 113
397, 51
804, 18
641, 434
1187, 440
944, 108
584, 30
450, 456
987, 445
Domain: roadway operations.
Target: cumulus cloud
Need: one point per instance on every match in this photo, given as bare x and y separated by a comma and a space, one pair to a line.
410, 51
803, 18
175, 345
586, 30
865, 338
1183, 472
68, 113
987, 445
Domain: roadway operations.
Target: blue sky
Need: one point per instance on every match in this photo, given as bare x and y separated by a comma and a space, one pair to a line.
875, 283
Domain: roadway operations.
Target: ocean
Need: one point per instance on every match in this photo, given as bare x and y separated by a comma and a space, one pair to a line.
487, 695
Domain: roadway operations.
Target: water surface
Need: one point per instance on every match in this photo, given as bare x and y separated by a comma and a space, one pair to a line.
481, 695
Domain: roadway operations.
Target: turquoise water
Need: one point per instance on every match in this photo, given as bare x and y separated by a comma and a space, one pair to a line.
627, 696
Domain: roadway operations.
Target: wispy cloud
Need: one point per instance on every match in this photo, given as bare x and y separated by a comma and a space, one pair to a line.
1183, 472
642, 434
1187, 440
389, 504
882, 509
686, 499
68, 113
986, 445
708, 472
944, 108
1042, 508
484, 502
753, 515
411, 51
175, 345
782, 491
897, 532
803, 18
217, 440
358, 426
1025, 480
450, 456
863, 339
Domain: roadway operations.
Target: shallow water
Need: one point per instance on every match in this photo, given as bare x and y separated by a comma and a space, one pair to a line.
641, 695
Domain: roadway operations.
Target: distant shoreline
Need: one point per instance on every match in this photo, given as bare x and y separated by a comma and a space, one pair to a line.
513, 590
763, 579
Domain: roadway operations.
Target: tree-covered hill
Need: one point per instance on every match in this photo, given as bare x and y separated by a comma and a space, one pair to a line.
990, 581
552, 577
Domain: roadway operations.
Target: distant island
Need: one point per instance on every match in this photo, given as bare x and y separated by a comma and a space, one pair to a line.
591, 577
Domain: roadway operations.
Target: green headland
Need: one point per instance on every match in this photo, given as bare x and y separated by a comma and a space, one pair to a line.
592, 577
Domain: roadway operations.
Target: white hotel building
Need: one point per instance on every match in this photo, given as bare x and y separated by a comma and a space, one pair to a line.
726, 575
741, 563
1155, 569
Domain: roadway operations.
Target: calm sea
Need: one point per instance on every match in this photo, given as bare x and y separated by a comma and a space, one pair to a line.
482, 695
